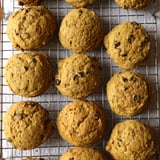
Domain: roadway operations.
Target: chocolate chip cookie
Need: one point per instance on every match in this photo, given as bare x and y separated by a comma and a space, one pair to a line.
28, 74
132, 140
127, 93
78, 76
83, 154
81, 30
27, 125
81, 123
31, 27
127, 44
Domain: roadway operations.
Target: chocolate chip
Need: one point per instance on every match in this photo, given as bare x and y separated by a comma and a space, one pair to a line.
78, 75
125, 88
21, 3
137, 98
57, 81
96, 115
116, 44
26, 68
80, 12
133, 79
71, 158
34, 60
28, 10
124, 79
131, 38
124, 54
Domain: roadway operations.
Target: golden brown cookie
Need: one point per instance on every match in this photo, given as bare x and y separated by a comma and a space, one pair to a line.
127, 93
78, 76
81, 30
131, 140
29, 2
133, 4
127, 44
28, 74
27, 125
83, 154
31, 27
80, 3
81, 123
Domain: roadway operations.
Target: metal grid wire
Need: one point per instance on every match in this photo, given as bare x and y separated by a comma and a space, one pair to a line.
110, 15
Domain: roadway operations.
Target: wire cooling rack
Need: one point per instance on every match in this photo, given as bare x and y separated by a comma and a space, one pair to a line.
110, 15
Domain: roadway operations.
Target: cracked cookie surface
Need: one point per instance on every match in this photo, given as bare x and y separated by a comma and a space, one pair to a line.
27, 125
83, 154
80, 3
31, 27
81, 31
133, 4
127, 44
78, 76
81, 123
131, 140
28, 73
127, 93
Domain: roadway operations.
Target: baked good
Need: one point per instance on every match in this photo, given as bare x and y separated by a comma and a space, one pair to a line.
127, 93
29, 2
81, 30
80, 3
28, 74
27, 125
83, 154
81, 123
78, 76
133, 4
127, 44
31, 27
132, 140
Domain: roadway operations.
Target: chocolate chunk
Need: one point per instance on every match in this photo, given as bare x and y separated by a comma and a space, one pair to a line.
124, 79
26, 68
133, 79
57, 81
116, 44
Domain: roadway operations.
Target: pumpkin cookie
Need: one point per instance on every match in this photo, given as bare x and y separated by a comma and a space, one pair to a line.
133, 4
83, 154
27, 125
31, 28
127, 44
127, 93
29, 2
78, 76
80, 3
28, 74
81, 123
131, 140
81, 31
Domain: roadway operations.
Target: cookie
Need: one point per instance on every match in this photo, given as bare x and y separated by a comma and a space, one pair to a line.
78, 76
127, 44
29, 2
127, 93
28, 74
131, 140
80, 3
31, 28
27, 125
81, 31
133, 4
83, 154
81, 123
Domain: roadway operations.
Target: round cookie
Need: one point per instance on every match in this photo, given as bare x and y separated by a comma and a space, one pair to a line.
80, 3
29, 2
31, 27
81, 123
78, 76
83, 154
28, 74
131, 140
27, 125
81, 30
127, 93
133, 4
127, 44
